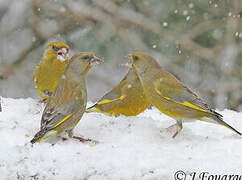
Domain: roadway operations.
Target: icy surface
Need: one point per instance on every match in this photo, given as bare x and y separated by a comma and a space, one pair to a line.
128, 148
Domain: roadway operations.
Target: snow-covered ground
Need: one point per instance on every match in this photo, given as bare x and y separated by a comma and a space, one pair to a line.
128, 148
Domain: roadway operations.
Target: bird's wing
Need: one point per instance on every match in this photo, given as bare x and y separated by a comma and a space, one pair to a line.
119, 92
172, 89
114, 95
62, 105
53, 117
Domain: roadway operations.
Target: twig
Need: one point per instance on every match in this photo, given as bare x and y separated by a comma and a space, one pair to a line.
9, 69
138, 19
40, 40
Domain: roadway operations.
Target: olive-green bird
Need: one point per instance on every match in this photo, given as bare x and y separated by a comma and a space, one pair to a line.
126, 98
52, 66
170, 95
65, 107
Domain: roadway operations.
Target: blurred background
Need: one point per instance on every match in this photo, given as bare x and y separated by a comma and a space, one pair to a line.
199, 41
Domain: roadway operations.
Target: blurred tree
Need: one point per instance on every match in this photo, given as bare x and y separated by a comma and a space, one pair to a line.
198, 41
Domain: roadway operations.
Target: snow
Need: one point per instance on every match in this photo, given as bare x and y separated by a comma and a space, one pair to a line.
165, 24
190, 5
128, 148
154, 46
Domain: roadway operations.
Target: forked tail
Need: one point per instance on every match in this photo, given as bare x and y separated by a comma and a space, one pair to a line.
39, 136
219, 120
92, 109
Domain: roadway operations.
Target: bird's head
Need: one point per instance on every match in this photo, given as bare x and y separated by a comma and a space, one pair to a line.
58, 49
83, 61
141, 62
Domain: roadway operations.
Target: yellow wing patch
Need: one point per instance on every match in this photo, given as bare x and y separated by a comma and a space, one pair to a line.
48, 134
41, 139
53, 132
108, 100
35, 79
67, 117
185, 103
193, 106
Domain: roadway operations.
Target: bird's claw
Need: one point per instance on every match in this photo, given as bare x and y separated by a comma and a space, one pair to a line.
64, 139
43, 100
83, 140
173, 128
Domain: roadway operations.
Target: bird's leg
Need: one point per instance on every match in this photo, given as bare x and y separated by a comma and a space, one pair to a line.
63, 138
179, 128
81, 139
70, 135
43, 100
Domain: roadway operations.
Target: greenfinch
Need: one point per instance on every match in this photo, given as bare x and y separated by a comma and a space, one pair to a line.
170, 95
66, 105
52, 66
127, 98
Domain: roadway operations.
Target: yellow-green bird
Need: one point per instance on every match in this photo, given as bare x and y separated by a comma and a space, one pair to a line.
126, 98
66, 105
52, 66
170, 95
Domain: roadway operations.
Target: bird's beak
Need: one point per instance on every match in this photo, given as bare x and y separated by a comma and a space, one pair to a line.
62, 54
129, 56
129, 64
94, 61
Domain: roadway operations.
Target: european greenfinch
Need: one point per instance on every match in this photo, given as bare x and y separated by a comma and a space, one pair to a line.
66, 105
126, 98
170, 95
52, 66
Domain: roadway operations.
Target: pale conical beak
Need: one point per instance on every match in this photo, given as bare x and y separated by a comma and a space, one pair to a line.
129, 64
62, 54
95, 61
129, 56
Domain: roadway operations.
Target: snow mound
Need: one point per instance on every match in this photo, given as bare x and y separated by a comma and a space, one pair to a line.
128, 148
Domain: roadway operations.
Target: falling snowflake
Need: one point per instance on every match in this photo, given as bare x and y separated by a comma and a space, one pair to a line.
191, 5
185, 12
165, 24
154, 46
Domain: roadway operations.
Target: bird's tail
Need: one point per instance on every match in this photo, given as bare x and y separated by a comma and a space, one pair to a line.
96, 108
219, 120
39, 136
92, 109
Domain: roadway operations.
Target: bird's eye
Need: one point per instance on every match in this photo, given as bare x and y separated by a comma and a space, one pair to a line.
55, 48
135, 57
86, 57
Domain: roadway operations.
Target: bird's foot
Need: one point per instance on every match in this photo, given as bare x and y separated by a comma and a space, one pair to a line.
63, 138
83, 140
174, 128
175, 134
43, 100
